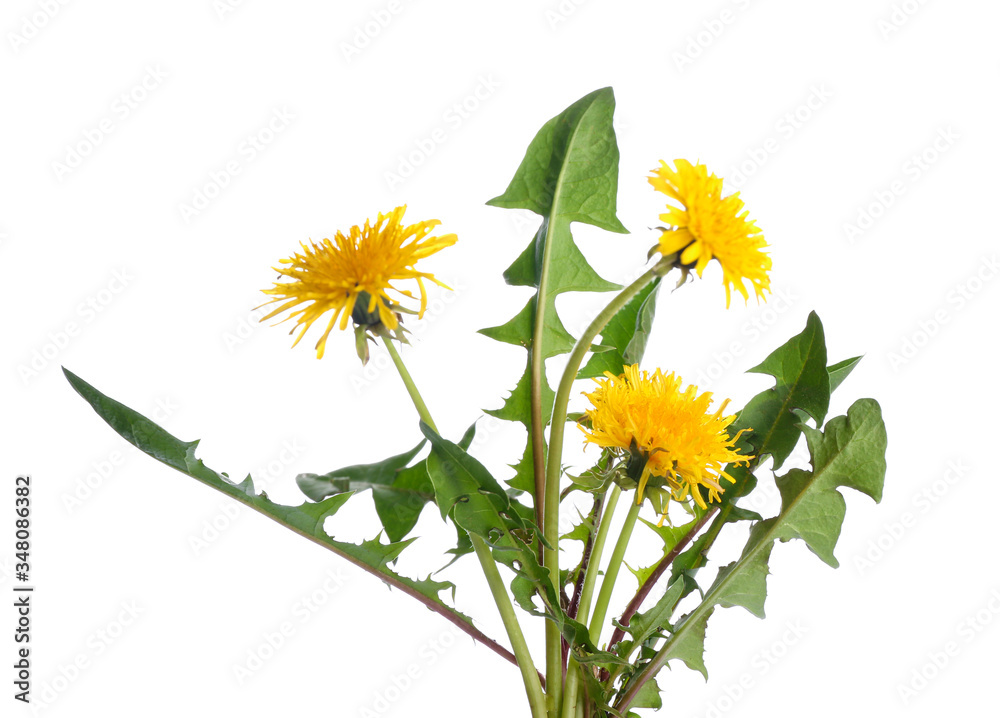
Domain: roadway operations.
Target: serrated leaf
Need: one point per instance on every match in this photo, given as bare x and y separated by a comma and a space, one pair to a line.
519, 330
623, 340
579, 532
517, 406
569, 174
689, 642
649, 696
812, 508
466, 491
399, 493
643, 625
307, 519
524, 472
571, 166
849, 453
840, 371
801, 382
670, 536
776, 426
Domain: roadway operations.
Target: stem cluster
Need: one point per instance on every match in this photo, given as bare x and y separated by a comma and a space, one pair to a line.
564, 682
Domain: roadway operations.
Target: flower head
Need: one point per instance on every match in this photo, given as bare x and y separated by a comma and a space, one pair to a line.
352, 275
679, 445
709, 226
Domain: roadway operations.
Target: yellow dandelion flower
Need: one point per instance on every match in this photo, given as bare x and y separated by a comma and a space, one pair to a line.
648, 416
351, 275
709, 226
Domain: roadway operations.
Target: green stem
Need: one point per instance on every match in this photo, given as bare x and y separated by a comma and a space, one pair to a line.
532, 682
590, 582
611, 574
411, 388
550, 523
561, 404
559, 408
571, 693
536, 697
550, 559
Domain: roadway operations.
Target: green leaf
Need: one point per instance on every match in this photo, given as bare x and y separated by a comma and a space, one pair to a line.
643, 625
850, 452
649, 696
524, 472
571, 166
519, 330
399, 493
625, 336
569, 174
670, 536
840, 371
801, 382
306, 520
465, 490
689, 641
517, 406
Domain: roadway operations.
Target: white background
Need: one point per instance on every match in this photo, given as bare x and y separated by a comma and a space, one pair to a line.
824, 116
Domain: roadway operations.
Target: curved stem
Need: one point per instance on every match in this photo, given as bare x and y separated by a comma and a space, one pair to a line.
573, 672
532, 682
554, 467
611, 574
